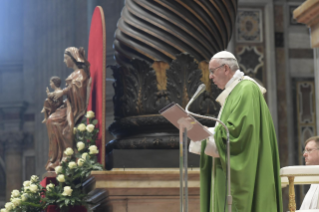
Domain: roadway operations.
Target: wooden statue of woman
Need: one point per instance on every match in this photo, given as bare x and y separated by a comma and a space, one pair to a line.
60, 123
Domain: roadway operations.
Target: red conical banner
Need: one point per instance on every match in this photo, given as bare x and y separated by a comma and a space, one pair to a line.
97, 57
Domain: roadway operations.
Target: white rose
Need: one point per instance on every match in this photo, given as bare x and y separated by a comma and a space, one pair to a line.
26, 183
74, 130
16, 202
26, 188
34, 179
15, 193
33, 188
58, 169
69, 151
9, 206
3, 210
90, 114
81, 127
90, 128
67, 191
24, 197
61, 178
93, 150
85, 155
80, 145
72, 165
49, 186
80, 162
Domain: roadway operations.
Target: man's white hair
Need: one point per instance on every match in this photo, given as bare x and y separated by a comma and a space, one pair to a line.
227, 58
232, 63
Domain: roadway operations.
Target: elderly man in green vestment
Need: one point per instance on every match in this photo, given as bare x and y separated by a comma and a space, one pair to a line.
254, 161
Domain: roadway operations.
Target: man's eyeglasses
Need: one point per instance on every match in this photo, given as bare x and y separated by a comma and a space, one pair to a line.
212, 71
308, 150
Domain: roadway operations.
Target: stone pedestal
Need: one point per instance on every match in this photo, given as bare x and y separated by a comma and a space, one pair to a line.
151, 158
155, 190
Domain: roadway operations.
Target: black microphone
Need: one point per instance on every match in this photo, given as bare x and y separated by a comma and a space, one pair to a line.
201, 88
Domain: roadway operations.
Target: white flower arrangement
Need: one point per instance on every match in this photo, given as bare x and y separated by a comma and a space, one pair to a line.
9, 206
93, 150
58, 169
85, 155
67, 191
28, 199
69, 151
90, 128
80, 162
90, 114
72, 165
33, 188
60, 178
24, 197
34, 179
80, 145
70, 175
81, 127
15, 194
26, 183
16, 202
50, 186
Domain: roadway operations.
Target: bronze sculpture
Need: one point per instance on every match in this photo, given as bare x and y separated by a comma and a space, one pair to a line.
61, 122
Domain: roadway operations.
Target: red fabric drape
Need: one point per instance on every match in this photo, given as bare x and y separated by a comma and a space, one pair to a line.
96, 57
48, 180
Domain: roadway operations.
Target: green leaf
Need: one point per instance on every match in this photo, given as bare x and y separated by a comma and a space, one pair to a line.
78, 185
97, 167
95, 121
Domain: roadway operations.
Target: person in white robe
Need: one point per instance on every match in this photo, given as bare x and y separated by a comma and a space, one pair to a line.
311, 155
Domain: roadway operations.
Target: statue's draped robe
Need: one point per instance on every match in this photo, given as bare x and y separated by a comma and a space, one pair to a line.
255, 181
60, 124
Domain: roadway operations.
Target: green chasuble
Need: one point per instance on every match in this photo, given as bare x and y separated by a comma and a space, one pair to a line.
255, 180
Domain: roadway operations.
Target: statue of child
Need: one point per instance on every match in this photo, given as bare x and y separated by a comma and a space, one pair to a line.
51, 104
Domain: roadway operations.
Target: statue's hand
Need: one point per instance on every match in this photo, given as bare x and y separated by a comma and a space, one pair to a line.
47, 90
57, 94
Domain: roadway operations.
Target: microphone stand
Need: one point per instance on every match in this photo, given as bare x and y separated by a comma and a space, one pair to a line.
229, 197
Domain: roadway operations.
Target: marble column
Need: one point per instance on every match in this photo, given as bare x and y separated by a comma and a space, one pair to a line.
13, 144
282, 95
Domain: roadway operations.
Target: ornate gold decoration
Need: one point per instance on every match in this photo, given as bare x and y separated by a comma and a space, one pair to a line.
160, 70
292, 202
203, 66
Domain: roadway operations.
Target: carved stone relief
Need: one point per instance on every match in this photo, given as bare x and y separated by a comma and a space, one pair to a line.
249, 26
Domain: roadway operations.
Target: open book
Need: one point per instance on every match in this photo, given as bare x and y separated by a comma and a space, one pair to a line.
175, 114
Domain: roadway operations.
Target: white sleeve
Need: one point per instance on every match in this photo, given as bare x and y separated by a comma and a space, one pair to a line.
211, 148
195, 147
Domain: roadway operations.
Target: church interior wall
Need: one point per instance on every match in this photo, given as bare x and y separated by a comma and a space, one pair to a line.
40, 31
